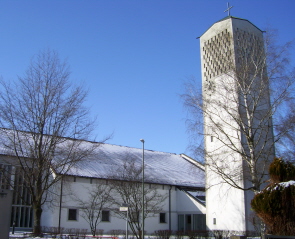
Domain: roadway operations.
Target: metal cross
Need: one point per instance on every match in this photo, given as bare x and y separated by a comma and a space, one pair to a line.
228, 9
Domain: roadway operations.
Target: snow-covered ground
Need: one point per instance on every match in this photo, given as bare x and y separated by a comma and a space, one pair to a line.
65, 236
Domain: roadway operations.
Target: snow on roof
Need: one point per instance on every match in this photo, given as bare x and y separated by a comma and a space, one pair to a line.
160, 167
199, 196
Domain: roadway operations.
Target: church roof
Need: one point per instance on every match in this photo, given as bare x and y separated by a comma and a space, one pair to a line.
237, 18
160, 167
231, 17
107, 159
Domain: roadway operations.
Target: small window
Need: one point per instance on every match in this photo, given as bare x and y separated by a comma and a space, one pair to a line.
162, 217
72, 216
211, 138
105, 216
214, 221
134, 217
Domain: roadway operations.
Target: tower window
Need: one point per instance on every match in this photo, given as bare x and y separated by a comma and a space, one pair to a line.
212, 138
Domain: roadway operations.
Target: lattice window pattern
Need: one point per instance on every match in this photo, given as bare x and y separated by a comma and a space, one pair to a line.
217, 55
250, 49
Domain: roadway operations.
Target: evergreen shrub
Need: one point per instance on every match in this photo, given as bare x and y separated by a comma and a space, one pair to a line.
275, 204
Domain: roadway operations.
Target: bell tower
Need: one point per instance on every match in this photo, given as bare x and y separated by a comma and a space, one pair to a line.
233, 109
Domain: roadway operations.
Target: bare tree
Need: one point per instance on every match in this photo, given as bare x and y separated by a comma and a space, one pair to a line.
37, 113
286, 144
98, 199
127, 186
237, 108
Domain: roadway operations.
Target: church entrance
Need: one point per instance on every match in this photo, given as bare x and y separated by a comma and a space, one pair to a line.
189, 222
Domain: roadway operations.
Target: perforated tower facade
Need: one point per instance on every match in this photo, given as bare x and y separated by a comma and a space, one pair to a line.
225, 50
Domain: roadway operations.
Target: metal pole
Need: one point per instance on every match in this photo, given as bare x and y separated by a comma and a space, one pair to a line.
142, 231
127, 224
60, 203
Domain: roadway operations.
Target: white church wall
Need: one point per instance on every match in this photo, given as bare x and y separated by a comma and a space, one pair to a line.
179, 202
186, 204
225, 210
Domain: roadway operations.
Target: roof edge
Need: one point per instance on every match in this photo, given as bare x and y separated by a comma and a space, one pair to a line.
195, 198
231, 17
177, 185
194, 162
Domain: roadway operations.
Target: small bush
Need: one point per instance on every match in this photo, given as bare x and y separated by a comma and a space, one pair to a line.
179, 234
220, 234
275, 204
70, 230
163, 234
99, 232
116, 233
197, 234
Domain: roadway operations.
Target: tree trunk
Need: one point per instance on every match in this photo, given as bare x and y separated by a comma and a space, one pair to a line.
37, 219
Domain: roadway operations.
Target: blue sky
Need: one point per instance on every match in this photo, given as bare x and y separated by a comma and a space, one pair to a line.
132, 55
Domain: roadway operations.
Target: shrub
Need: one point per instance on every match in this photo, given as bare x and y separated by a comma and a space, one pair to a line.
275, 204
179, 234
220, 234
116, 233
99, 232
281, 171
197, 234
163, 234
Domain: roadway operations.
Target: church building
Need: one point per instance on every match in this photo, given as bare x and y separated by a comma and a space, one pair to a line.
182, 181
176, 181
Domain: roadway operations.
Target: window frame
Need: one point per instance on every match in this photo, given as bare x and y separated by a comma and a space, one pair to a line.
70, 214
161, 217
103, 216
134, 216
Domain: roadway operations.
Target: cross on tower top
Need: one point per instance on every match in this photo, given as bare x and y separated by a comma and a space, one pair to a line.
228, 9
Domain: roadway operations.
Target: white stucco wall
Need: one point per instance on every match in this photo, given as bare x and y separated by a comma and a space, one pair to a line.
180, 203
186, 204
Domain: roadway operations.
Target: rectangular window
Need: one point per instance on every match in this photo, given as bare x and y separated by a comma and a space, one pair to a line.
188, 222
134, 216
181, 222
105, 216
72, 215
211, 138
199, 222
214, 221
162, 217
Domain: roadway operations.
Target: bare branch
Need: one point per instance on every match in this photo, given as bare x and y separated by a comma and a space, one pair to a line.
37, 114
238, 107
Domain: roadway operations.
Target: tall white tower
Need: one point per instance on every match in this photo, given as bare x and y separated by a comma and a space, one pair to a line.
237, 122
